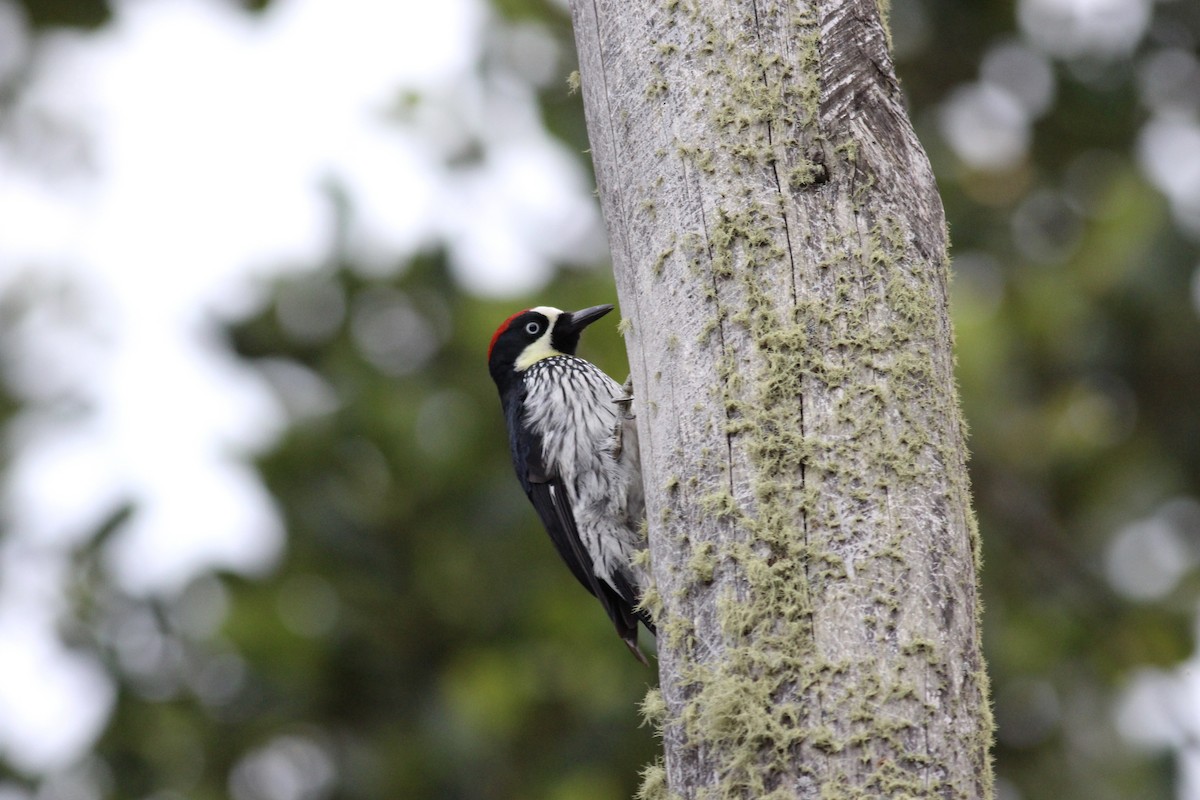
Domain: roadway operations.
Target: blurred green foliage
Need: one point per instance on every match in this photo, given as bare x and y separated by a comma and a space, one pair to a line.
84, 14
419, 633
420, 638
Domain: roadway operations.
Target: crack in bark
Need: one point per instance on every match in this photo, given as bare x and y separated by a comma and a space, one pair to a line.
616, 188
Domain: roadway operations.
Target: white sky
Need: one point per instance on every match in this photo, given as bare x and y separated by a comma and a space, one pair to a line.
209, 136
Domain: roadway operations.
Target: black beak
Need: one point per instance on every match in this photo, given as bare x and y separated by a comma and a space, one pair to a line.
571, 324
576, 321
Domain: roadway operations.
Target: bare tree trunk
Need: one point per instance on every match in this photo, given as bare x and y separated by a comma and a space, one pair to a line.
780, 253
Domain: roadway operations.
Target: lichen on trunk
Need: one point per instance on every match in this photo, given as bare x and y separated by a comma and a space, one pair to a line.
780, 246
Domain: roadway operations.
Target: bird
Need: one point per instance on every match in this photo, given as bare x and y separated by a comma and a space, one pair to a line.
573, 440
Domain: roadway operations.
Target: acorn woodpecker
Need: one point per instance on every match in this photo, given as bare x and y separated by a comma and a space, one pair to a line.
574, 448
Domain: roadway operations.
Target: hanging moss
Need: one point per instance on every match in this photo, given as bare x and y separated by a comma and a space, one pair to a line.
860, 335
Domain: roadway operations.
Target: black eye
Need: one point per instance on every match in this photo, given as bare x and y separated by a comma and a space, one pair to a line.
533, 328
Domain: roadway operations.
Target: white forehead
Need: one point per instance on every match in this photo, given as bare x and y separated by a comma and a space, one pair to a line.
549, 312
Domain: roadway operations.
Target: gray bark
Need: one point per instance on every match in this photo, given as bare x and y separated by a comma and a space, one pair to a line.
780, 253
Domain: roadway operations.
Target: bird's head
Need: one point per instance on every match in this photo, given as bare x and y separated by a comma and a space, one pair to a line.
536, 333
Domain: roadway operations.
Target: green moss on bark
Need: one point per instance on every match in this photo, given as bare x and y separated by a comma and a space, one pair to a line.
803, 502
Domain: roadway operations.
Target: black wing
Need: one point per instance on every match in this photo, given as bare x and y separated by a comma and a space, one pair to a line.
549, 496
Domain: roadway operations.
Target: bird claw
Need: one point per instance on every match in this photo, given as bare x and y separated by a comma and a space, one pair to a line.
626, 404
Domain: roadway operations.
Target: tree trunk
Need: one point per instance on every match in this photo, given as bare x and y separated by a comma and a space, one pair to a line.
780, 254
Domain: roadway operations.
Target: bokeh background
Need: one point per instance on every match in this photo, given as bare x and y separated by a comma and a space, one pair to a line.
258, 534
